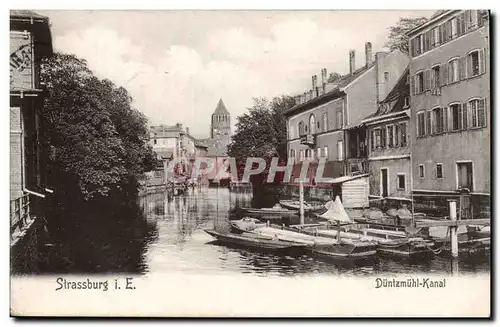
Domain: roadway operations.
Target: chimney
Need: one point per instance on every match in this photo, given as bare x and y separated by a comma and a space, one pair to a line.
315, 85
368, 53
187, 130
352, 62
323, 76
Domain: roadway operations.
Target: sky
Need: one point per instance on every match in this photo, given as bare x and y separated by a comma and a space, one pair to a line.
178, 64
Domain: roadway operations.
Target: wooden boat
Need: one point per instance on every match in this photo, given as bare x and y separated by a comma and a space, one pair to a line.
345, 249
295, 205
254, 240
390, 239
391, 242
277, 211
245, 224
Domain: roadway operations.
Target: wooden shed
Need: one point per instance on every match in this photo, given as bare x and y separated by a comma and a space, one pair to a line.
354, 190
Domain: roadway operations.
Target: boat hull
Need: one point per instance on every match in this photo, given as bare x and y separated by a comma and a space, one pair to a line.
254, 241
269, 214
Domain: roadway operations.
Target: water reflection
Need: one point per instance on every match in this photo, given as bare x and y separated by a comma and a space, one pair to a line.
181, 245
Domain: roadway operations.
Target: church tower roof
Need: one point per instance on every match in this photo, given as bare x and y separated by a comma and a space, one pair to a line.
221, 109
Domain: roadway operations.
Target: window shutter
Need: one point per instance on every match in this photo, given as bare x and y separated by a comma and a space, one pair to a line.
444, 115
449, 30
444, 74
412, 86
482, 62
441, 34
459, 25
467, 20
462, 68
428, 122
482, 113
480, 21
432, 80
427, 79
464, 115
462, 24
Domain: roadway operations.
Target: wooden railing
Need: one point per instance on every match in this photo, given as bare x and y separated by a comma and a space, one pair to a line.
19, 212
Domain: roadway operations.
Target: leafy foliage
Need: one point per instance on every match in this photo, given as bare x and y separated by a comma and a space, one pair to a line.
398, 39
99, 142
333, 77
262, 131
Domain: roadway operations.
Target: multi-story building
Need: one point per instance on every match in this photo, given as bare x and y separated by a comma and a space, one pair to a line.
30, 41
389, 146
326, 121
450, 101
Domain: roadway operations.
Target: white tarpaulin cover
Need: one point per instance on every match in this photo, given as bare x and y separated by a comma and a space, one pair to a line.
335, 211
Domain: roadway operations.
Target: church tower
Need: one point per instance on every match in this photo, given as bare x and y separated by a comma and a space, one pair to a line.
220, 129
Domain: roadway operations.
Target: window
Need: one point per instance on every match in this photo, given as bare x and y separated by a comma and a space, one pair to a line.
421, 124
372, 139
158, 173
435, 37
325, 122
155, 141
477, 113
421, 171
378, 140
435, 77
419, 83
439, 170
471, 19
386, 76
458, 117
301, 128
325, 152
454, 27
417, 45
383, 138
338, 122
404, 138
312, 124
453, 74
475, 64
340, 150
390, 136
437, 121
292, 154
401, 182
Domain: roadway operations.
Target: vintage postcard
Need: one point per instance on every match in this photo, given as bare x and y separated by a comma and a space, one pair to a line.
168, 163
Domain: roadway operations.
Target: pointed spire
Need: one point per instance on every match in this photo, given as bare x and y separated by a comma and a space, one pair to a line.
221, 109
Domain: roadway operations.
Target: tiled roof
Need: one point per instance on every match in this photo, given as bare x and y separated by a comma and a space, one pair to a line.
339, 84
27, 14
395, 99
221, 109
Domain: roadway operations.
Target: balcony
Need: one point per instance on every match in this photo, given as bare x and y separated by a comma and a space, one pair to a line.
357, 166
308, 139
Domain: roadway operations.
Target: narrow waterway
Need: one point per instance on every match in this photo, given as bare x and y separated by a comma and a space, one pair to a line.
179, 244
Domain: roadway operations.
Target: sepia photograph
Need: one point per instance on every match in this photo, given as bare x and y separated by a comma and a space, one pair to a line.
250, 163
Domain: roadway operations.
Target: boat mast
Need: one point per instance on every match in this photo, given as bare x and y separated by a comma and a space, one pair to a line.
301, 201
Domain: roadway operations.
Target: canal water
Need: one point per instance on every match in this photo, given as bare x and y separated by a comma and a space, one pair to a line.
179, 244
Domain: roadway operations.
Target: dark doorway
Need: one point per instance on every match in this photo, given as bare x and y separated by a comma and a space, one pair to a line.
465, 178
384, 182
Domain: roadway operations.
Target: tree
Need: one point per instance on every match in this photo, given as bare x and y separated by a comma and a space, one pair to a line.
398, 39
333, 77
99, 141
262, 131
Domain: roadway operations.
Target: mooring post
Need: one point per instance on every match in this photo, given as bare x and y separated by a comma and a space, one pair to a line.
338, 231
453, 229
301, 201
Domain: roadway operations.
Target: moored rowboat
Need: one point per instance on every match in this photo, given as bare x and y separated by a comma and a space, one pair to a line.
255, 241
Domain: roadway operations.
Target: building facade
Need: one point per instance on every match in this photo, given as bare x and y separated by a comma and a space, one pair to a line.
450, 102
30, 41
389, 145
326, 121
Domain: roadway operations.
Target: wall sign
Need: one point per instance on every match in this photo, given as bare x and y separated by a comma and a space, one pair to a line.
21, 61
